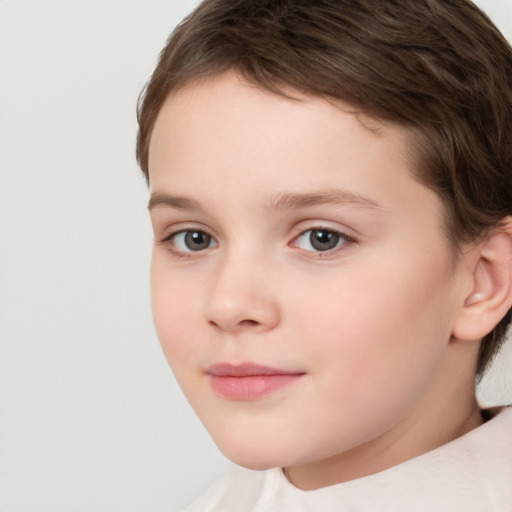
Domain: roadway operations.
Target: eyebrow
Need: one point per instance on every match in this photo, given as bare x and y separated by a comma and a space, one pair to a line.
176, 202
290, 201
280, 202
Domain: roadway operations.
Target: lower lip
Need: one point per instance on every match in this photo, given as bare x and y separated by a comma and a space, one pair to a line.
250, 387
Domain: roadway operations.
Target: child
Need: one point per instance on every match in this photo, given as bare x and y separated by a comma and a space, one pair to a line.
331, 197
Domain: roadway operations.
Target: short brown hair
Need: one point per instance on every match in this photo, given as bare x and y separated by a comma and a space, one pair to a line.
438, 67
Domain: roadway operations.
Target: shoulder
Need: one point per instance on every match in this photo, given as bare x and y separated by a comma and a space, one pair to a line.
238, 488
496, 428
472, 472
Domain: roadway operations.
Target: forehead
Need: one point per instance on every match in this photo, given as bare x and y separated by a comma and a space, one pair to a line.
251, 138
231, 114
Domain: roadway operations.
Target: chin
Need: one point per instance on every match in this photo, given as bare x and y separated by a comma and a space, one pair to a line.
253, 453
254, 461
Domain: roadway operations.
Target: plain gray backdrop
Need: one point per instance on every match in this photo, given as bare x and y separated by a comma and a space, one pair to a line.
91, 419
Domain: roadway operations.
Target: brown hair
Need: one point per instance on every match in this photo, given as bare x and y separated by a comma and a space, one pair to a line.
438, 67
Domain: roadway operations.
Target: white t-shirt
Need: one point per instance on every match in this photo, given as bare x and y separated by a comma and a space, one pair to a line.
470, 474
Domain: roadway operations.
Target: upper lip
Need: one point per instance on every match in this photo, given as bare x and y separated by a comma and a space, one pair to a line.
245, 370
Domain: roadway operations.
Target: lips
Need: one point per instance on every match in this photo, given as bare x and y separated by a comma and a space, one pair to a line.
248, 381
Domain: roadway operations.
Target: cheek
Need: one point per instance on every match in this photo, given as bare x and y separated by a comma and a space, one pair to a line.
377, 317
173, 304
364, 335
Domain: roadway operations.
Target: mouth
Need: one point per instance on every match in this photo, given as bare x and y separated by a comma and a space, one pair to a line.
248, 381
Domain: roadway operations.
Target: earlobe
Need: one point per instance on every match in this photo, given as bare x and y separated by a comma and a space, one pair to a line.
491, 294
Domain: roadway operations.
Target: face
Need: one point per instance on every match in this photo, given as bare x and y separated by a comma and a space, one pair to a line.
302, 287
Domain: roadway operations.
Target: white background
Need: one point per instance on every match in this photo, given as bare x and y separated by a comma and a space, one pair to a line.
91, 419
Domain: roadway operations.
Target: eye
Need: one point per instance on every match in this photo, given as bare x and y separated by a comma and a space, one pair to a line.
192, 241
321, 240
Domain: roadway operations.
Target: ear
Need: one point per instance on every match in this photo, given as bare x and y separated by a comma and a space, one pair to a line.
490, 296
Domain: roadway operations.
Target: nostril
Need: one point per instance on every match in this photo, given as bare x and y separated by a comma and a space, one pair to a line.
248, 323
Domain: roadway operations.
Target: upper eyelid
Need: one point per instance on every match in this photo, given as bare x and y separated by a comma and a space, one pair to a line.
173, 230
306, 226
342, 234
324, 228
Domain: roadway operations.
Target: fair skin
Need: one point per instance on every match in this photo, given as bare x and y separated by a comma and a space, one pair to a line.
290, 236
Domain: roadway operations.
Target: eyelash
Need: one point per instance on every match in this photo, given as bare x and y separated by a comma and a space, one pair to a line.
180, 254
343, 240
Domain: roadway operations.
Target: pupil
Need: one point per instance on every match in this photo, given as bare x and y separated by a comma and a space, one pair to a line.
323, 240
197, 240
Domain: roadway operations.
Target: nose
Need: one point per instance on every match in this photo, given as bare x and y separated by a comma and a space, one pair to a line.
242, 298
